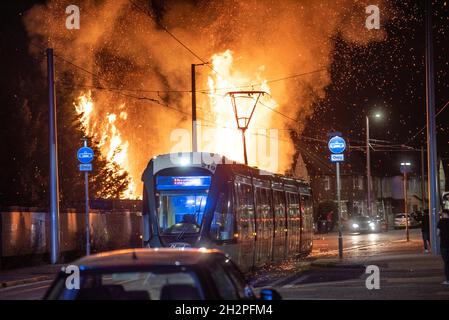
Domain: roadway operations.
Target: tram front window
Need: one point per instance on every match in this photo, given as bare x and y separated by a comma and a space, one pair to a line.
181, 203
181, 213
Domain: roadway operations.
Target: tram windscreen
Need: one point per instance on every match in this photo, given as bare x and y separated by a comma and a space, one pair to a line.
182, 200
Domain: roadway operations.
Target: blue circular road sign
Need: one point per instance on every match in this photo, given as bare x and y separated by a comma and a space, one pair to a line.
337, 144
85, 155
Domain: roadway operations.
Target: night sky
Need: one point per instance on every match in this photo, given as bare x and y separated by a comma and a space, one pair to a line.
387, 76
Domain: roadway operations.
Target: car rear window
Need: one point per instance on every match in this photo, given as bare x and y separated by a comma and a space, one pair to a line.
362, 219
181, 285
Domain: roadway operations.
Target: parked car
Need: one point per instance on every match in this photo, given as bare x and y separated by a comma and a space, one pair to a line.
400, 221
362, 224
155, 274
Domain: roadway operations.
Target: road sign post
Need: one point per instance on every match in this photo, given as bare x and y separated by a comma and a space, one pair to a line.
340, 234
337, 145
85, 156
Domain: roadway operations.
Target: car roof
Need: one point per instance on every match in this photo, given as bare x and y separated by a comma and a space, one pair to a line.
145, 257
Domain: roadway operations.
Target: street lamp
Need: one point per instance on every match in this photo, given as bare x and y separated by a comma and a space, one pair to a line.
406, 168
377, 115
244, 120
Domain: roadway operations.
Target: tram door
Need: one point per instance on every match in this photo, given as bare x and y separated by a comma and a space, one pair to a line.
244, 207
293, 222
280, 230
264, 225
306, 223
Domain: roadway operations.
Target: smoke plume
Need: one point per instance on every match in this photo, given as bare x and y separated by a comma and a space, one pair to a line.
126, 49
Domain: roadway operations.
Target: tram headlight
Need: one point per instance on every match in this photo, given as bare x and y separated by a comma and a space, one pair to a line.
355, 226
184, 162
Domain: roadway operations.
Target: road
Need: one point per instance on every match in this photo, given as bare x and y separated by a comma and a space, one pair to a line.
328, 243
406, 272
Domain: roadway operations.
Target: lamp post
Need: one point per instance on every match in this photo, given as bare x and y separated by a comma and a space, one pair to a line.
368, 163
405, 169
243, 121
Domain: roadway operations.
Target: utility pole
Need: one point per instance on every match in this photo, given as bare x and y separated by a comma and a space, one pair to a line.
405, 169
53, 141
194, 138
368, 168
431, 135
194, 129
406, 206
423, 188
383, 202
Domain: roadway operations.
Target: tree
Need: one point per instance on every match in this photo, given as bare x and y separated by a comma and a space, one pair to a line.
106, 180
25, 132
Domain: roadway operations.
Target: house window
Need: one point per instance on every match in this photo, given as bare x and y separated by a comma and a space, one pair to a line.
357, 182
327, 183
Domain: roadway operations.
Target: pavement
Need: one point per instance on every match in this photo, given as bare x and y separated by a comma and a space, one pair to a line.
405, 271
14, 277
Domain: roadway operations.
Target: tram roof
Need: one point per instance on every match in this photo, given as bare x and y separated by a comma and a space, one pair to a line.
210, 161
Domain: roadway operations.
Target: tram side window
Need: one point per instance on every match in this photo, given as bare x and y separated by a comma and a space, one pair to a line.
306, 202
222, 227
245, 209
279, 205
294, 204
263, 208
307, 208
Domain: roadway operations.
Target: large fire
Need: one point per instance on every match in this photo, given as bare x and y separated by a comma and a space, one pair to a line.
104, 131
129, 50
226, 139
219, 134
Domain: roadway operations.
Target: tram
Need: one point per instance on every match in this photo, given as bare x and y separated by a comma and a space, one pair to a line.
445, 200
206, 200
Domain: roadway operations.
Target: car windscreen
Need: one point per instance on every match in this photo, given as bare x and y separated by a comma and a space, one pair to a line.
179, 284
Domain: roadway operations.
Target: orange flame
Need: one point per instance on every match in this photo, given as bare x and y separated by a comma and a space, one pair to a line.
227, 140
108, 136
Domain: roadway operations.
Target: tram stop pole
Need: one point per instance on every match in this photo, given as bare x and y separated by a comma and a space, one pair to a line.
86, 191
340, 235
337, 146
